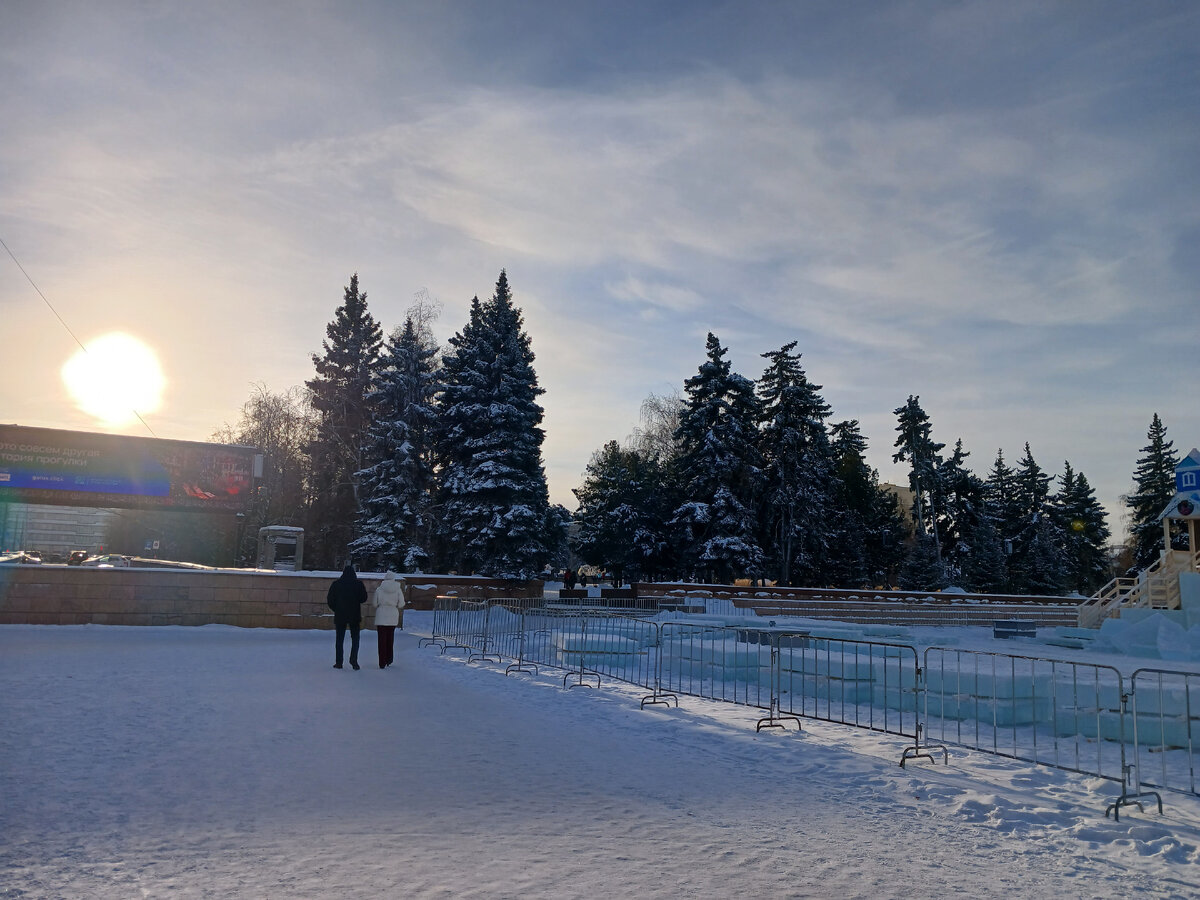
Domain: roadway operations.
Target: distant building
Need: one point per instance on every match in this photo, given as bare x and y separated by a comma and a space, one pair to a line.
905, 496
53, 529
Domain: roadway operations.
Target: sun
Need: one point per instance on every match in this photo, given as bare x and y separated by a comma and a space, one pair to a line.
116, 378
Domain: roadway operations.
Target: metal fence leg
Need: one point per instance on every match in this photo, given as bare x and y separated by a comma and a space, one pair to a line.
440, 611
916, 751
659, 697
1127, 798
485, 639
581, 673
520, 665
774, 719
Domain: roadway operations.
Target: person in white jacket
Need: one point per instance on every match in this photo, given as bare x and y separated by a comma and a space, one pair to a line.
389, 601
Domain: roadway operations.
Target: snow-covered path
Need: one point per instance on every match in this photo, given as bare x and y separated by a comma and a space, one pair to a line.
188, 762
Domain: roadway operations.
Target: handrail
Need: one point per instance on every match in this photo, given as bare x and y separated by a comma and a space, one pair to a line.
1156, 587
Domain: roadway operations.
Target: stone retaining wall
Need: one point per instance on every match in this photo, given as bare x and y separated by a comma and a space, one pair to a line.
82, 595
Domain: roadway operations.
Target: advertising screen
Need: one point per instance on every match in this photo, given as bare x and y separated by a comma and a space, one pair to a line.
79, 468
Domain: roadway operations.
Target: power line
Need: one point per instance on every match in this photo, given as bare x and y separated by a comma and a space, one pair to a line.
63, 321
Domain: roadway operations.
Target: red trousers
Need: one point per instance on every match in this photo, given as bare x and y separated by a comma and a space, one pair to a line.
387, 637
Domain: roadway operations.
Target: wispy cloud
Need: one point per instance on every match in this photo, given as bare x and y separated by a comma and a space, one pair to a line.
934, 202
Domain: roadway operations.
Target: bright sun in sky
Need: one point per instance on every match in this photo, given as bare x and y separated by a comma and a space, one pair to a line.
115, 378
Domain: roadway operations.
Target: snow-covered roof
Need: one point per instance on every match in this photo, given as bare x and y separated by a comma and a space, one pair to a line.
1184, 505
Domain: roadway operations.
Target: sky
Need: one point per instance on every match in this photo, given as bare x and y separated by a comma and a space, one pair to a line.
989, 206
218, 761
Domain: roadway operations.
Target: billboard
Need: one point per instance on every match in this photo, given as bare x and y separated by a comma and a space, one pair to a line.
79, 468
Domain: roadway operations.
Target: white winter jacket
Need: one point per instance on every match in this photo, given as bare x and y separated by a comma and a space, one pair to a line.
388, 600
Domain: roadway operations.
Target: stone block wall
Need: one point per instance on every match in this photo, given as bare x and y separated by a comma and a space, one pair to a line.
81, 595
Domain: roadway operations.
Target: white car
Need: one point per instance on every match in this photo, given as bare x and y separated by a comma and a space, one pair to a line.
112, 560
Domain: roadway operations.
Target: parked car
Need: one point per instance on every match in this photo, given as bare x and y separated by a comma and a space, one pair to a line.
27, 557
112, 560
77, 557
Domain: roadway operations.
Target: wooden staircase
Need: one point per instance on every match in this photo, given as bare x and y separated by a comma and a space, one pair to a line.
1156, 587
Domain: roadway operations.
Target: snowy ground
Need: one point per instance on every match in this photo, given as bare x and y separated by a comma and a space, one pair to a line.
220, 762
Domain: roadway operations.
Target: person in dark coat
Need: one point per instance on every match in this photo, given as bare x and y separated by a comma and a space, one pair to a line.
346, 597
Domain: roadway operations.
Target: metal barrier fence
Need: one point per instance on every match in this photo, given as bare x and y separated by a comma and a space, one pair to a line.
1068, 715
710, 662
794, 676
1165, 725
865, 684
1043, 711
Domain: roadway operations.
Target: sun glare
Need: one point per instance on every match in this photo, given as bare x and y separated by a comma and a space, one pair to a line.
114, 379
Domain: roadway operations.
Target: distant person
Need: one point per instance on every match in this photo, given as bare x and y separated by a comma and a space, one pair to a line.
346, 597
583, 579
388, 601
569, 580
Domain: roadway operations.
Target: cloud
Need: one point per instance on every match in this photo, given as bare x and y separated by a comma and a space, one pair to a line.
924, 208
668, 297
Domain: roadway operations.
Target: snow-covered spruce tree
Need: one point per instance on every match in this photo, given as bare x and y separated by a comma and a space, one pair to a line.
395, 489
495, 516
338, 393
621, 524
917, 447
1004, 509
922, 570
800, 521
1153, 488
984, 567
870, 542
719, 473
961, 513
1083, 526
1037, 565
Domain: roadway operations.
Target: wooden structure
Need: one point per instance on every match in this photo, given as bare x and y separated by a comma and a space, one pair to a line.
1157, 587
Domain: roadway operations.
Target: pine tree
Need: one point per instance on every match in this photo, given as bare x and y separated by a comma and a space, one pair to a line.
916, 446
719, 472
621, 525
496, 517
338, 393
396, 488
1000, 493
870, 540
1041, 568
1037, 565
799, 473
1032, 487
962, 509
1081, 521
1154, 486
922, 569
984, 567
